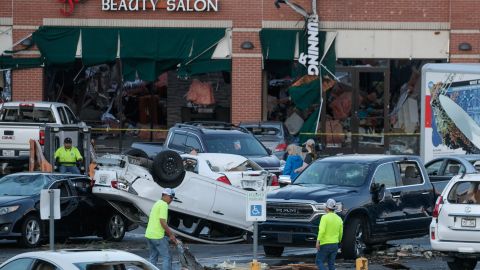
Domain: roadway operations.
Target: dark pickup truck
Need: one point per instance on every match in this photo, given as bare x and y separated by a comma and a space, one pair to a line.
379, 198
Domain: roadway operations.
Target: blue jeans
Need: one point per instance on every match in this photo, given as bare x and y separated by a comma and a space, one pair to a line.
327, 253
69, 169
160, 247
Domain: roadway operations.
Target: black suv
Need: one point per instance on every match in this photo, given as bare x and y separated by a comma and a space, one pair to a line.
211, 137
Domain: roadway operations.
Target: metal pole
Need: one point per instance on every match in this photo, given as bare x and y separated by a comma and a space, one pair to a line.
52, 221
255, 240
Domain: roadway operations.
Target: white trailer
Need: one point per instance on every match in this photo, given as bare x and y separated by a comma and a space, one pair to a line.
450, 114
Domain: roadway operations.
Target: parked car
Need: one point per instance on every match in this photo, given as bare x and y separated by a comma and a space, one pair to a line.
22, 121
379, 198
441, 170
74, 259
272, 134
82, 214
205, 209
456, 222
211, 137
234, 170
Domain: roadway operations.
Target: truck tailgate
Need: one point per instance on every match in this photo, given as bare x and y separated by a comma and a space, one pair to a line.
14, 139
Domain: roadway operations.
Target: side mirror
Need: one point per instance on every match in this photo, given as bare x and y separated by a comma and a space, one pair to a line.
378, 192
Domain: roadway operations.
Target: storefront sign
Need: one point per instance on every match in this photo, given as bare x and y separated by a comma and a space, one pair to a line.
311, 59
169, 5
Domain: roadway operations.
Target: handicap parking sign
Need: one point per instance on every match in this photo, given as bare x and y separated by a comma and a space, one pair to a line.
256, 210
256, 206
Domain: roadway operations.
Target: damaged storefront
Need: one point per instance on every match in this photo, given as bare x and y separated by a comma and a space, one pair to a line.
138, 81
370, 97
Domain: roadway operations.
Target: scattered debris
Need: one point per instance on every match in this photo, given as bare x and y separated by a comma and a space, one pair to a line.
187, 260
396, 265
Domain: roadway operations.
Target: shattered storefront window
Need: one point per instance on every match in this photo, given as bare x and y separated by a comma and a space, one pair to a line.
6, 85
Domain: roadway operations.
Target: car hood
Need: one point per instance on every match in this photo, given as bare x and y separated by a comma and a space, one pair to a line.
266, 162
9, 200
318, 193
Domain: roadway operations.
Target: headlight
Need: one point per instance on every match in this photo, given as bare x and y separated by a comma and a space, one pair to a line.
8, 209
321, 207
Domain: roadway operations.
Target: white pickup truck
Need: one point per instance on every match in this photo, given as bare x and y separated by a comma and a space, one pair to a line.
22, 121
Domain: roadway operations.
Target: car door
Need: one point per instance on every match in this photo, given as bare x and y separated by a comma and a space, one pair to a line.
89, 207
386, 212
416, 197
435, 170
68, 223
230, 206
196, 194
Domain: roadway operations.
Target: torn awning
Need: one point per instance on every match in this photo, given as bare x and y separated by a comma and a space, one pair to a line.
145, 52
8, 62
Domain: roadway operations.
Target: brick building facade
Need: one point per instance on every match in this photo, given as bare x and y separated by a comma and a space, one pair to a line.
374, 29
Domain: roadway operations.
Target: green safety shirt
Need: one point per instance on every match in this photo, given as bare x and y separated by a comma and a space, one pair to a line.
154, 228
330, 230
68, 157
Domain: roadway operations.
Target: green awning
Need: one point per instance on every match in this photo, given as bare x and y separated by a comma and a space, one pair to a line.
305, 95
206, 66
145, 52
8, 62
58, 45
308, 130
279, 44
99, 45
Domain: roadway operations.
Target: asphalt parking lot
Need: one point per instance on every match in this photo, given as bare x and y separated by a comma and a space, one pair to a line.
225, 256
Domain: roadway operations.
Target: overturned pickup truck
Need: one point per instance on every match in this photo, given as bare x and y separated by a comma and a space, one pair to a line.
208, 207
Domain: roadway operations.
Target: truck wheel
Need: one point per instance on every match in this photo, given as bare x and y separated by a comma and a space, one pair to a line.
31, 232
273, 251
462, 264
114, 228
353, 245
168, 170
136, 153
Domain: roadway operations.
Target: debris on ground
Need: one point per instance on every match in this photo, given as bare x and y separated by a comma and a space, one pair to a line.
227, 265
395, 265
187, 260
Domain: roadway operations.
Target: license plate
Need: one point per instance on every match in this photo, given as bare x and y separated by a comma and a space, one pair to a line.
249, 184
469, 222
285, 238
8, 137
8, 153
103, 179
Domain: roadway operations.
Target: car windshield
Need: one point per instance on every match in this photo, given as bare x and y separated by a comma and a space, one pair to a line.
22, 185
350, 174
244, 145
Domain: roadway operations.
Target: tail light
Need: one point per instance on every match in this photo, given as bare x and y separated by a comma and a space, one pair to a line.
224, 180
41, 136
114, 184
281, 147
438, 207
275, 182
432, 233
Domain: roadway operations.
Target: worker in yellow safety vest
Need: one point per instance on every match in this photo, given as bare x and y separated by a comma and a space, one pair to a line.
330, 232
68, 157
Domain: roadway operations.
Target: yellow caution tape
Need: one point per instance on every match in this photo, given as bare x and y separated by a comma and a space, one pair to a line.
129, 129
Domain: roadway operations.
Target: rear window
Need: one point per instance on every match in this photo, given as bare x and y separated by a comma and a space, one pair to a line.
27, 114
243, 145
465, 192
264, 131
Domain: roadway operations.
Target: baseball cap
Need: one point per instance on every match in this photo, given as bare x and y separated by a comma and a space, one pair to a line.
67, 140
309, 142
169, 191
331, 204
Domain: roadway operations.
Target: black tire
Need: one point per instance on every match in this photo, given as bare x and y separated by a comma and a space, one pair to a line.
273, 251
168, 170
354, 239
32, 232
115, 228
462, 264
136, 153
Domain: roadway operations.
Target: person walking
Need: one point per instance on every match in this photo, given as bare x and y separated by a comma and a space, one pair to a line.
330, 232
294, 161
310, 156
68, 157
157, 228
